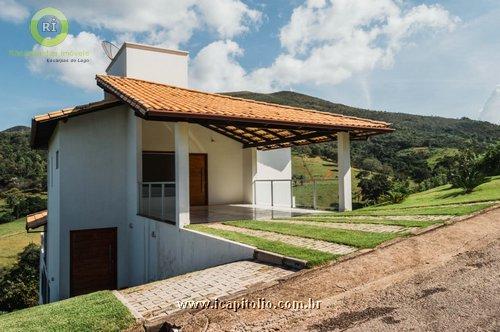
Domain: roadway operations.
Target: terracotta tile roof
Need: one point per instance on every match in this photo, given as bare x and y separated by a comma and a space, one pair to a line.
155, 99
43, 125
36, 220
72, 111
252, 123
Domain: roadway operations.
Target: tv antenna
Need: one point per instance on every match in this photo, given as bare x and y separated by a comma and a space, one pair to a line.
109, 48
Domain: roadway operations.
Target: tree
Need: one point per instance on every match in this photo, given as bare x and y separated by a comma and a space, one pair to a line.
22, 204
19, 283
466, 173
374, 187
489, 163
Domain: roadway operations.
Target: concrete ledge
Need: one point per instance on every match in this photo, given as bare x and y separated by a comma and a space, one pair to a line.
277, 259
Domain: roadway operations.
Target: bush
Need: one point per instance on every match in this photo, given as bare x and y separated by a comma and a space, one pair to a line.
19, 283
398, 192
6, 217
467, 173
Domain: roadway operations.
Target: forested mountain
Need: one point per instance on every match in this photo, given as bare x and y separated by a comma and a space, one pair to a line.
410, 151
20, 166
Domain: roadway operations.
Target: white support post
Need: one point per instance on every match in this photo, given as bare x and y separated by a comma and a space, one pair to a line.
344, 166
181, 174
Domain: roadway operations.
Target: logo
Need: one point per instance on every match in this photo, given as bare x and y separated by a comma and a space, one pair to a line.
49, 27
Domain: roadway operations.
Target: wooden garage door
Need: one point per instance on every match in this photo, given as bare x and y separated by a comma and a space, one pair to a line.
93, 260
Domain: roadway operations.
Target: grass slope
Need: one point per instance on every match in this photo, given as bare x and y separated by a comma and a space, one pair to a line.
13, 239
341, 236
489, 191
313, 257
100, 311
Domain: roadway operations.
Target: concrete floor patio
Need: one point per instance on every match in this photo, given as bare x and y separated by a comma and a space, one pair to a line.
218, 213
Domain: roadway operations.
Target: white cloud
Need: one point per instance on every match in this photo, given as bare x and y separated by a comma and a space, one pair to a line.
327, 42
491, 109
77, 74
215, 68
159, 22
12, 11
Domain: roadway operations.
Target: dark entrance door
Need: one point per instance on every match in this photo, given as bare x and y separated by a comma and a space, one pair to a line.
92, 260
198, 185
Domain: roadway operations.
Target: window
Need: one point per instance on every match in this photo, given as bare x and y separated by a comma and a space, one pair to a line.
51, 173
57, 159
158, 167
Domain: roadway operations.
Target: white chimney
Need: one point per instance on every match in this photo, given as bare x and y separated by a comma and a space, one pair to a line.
151, 64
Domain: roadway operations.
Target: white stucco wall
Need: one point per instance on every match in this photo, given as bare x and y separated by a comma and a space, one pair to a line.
53, 228
151, 64
93, 183
273, 165
182, 251
224, 157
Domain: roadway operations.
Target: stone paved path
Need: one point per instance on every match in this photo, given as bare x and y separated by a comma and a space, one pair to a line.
333, 248
376, 228
162, 298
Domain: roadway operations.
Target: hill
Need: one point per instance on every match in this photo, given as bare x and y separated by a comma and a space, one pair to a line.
16, 129
411, 151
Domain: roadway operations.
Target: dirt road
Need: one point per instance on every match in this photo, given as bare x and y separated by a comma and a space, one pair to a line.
447, 279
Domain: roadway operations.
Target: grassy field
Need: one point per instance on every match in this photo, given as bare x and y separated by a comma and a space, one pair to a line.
100, 311
13, 238
342, 236
313, 257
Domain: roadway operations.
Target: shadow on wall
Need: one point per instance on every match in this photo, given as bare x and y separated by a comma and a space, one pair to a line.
275, 159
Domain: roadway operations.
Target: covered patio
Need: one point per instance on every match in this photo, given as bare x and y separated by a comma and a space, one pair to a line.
256, 126
219, 213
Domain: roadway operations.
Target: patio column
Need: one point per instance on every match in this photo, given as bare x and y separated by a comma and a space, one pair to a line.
181, 173
344, 166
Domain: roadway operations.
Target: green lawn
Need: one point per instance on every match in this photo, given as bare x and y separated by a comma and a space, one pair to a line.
313, 257
100, 311
342, 236
404, 223
13, 239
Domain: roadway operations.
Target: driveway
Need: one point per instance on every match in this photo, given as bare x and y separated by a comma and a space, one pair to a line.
446, 279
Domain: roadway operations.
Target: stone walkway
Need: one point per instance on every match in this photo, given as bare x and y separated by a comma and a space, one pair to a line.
332, 248
376, 228
162, 298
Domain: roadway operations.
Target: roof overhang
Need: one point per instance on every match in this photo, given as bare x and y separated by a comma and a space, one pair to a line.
36, 220
43, 126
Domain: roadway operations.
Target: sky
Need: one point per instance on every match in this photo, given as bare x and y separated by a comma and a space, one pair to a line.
423, 57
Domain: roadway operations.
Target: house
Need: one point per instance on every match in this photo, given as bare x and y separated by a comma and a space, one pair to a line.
126, 174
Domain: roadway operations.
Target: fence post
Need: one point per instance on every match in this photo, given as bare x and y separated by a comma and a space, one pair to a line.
149, 199
314, 195
162, 201
272, 192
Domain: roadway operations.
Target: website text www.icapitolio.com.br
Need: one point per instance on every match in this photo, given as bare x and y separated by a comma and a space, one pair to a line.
244, 304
